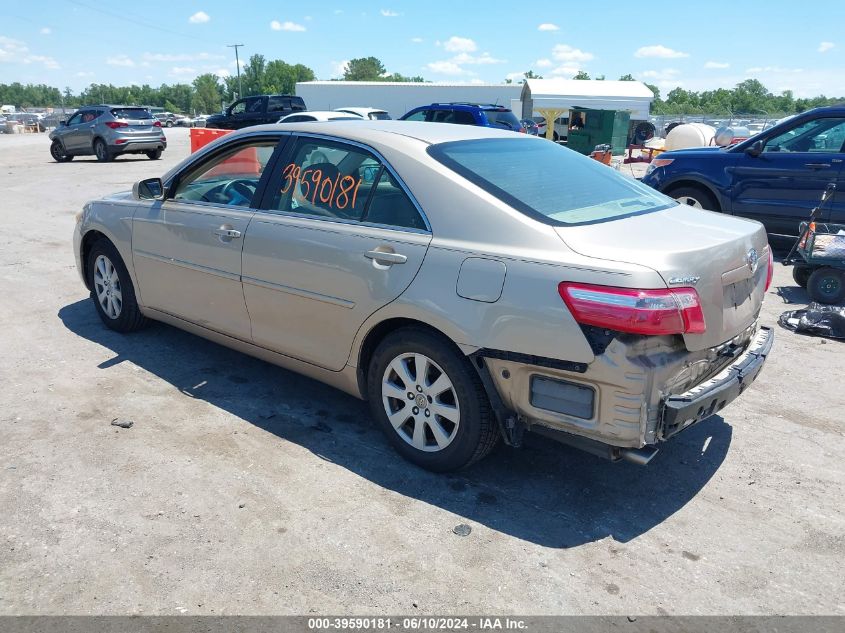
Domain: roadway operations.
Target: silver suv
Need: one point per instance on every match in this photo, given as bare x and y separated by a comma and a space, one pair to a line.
107, 131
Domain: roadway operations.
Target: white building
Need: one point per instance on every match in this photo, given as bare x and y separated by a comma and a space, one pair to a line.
400, 97
563, 94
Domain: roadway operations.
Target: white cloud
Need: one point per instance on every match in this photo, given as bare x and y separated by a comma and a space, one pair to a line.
83, 73
120, 60
200, 17
180, 71
717, 65
46, 30
477, 82
826, 46
773, 69
516, 76
457, 44
180, 57
484, 58
666, 74
658, 50
417, 40
446, 68
565, 71
543, 63
339, 68
548, 26
287, 26
16, 52
222, 72
388, 13
566, 53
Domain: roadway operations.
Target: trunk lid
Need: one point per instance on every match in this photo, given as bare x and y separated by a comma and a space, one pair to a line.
139, 121
728, 255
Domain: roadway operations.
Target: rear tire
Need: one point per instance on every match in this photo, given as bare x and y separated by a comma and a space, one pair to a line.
112, 290
801, 275
153, 154
101, 151
57, 151
695, 197
827, 285
447, 424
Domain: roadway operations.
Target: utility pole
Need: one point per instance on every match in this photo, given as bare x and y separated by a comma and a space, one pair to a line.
238, 65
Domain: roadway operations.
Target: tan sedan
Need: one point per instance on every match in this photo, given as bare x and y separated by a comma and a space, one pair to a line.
471, 283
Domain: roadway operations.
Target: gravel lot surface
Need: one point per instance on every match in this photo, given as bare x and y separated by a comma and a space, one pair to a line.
243, 488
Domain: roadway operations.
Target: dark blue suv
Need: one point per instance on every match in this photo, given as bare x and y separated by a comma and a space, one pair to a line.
486, 115
776, 177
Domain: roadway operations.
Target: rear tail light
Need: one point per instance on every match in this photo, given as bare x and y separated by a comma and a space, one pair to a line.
116, 124
156, 123
771, 271
648, 312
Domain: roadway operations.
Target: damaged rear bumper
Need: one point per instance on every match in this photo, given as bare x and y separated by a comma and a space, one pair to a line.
699, 403
638, 392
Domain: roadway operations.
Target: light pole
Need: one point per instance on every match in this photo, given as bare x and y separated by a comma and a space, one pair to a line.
238, 65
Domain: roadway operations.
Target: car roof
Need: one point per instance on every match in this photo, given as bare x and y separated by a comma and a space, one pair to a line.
321, 114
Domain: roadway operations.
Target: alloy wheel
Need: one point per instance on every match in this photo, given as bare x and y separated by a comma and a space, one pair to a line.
107, 287
420, 401
690, 202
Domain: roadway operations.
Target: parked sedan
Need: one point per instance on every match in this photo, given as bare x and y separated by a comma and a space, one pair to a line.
775, 177
471, 283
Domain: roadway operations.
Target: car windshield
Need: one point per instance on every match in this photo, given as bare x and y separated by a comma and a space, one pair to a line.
548, 182
502, 118
133, 113
380, 116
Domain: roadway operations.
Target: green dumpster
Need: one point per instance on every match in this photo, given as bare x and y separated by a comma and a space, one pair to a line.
600, 127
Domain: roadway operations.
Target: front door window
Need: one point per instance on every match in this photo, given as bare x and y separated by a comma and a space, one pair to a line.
817, 135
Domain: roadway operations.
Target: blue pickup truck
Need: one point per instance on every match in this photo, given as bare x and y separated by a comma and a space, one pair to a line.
776, 177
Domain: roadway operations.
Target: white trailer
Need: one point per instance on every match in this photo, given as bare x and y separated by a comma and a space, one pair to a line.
400, 97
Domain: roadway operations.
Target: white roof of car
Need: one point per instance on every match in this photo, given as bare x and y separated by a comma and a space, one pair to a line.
362, 112
319, 115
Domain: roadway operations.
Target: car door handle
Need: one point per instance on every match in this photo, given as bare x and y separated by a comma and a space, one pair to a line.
386, 257
227, 232
817, 165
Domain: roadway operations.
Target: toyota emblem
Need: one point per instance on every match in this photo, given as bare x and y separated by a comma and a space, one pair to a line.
753, 260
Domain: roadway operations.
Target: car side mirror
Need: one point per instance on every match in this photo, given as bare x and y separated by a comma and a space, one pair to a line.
755, 149
149, 189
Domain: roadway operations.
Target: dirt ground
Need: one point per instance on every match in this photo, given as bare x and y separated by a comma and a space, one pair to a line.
243, 488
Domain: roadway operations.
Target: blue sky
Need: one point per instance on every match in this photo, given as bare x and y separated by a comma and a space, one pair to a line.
787, 45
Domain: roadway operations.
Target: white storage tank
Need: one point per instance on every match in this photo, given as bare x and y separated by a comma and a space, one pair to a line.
690, 135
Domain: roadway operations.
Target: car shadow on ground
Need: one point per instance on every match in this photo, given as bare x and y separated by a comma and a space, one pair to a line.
545, 493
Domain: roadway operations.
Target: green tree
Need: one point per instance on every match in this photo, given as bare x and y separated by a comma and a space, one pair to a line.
628, 77
207, 94
581, 75
364, 69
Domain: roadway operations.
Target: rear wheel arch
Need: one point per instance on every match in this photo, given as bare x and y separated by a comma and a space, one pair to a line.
382, 330
679, 185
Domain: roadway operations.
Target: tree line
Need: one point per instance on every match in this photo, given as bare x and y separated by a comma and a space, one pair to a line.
208, 93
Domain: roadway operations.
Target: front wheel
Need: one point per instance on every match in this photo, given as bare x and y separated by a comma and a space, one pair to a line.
57, 151
112, 290
101, 151
169, 124
430, 401
827, 285
153, 154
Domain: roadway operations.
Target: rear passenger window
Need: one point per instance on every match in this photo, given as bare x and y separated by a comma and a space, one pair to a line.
390, 205
337, 181
417, 116
278, 104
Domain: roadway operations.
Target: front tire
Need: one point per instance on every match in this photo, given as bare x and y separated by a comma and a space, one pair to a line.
827, 285
430, 401
169, 124
153, 154
112, 290
57, 151
101, 151
695, 197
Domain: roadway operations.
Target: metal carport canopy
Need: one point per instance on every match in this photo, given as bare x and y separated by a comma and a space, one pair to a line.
633, 96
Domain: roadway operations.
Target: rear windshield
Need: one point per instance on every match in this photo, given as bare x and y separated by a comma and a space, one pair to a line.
133, 113
548, 182
502, 118
380, 116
